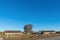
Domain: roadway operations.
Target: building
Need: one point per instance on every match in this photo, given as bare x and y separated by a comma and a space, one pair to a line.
48, 32
11, 33
28, 28
58, 32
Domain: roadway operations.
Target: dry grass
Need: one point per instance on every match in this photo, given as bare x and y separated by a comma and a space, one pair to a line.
29, 37
11, 38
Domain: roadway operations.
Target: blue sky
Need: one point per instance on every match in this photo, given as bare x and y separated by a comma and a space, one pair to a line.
42, 14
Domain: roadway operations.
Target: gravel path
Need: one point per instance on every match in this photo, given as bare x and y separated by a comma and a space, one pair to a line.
51, 38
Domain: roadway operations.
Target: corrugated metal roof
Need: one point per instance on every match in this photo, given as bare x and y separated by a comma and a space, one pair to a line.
11, 31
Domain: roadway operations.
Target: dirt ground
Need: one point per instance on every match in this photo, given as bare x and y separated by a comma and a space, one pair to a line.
49, 38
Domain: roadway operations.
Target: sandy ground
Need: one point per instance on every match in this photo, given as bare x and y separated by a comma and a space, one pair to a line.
49, 38
1, 38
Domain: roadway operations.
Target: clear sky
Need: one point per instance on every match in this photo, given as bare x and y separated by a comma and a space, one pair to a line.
42, 14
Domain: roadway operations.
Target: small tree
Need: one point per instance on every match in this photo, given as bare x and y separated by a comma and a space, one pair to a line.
28, 28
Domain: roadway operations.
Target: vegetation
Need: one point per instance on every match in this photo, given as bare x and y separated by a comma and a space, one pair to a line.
30, 37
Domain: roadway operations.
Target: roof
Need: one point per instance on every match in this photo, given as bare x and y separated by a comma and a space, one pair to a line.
58, 31
48, 31
11, 31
